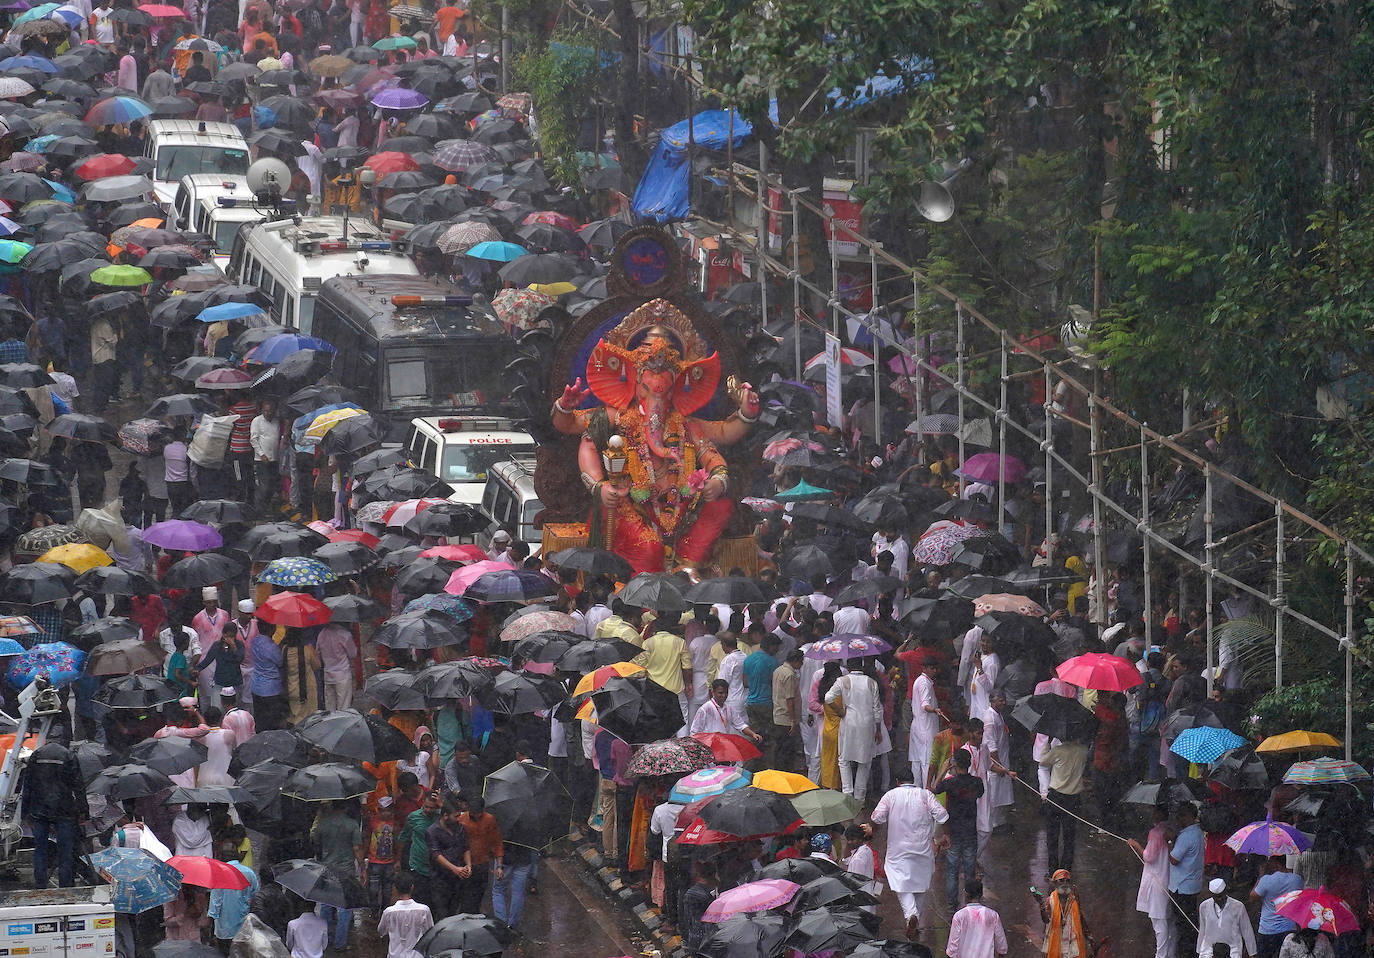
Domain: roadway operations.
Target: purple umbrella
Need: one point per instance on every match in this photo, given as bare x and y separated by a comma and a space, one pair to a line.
183, 535
985, 466
400, 98
1269, 838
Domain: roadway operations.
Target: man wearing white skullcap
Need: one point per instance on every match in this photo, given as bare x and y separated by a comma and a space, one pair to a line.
209, 624
1223, 920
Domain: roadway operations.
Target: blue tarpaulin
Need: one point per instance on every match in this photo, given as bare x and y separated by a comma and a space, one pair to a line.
662, 192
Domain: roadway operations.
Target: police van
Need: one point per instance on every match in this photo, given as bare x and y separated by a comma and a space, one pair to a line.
510, 502
184, 147
218, 205
461, 450
290, 260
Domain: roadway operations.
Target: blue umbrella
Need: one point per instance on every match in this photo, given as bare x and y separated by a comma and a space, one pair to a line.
140, 881
58, 660
276, 348
226, 311
60, 192
1205, 744
497, 251
115, 109
31, 62
297, 571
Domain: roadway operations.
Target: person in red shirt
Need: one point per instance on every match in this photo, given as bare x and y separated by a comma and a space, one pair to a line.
798, 846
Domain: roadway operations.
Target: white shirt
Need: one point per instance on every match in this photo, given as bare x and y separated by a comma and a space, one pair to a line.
594, 617
263, 436
717, 718
664, 822
851, 620
976, 932
241, 723
193, 651
732, 671
863, 714
219, 744
912, 813
307, 936
403, 924
192, 837
1228, 923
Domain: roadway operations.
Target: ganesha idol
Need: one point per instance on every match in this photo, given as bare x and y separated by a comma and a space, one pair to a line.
658, 481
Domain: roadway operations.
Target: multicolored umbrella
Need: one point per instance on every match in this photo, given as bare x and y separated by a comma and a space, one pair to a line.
937, 547
60, 662
1205, 745
1269, 838
297, 572
116, 110
542, 620
670, 756
754, 896
708, 781
15, 626
1098, 670
77, 556
402, 512
594, 680
139, 436
466, 576
1006, 602
518, 308
840, 648
141, 882
450, 605
183, 535
1322, 771
1318, 910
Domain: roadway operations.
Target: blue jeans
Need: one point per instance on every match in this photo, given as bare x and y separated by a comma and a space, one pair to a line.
962, 856
64, 834
339, 920
508, 891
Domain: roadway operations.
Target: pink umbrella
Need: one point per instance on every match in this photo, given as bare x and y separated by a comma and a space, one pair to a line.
751, 897
1099, 670
985, 467
1318, 909
1006, 602
403, 512
226, 377
466, 576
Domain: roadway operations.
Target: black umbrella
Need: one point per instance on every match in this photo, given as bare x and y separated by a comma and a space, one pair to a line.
635, 708
943, 616
973, 586
510, 585
1055, 716
807, 562
603, 234
425, 576
380, 459
594, 562
315, 881
1166, 792
466, 935
546, 647
184, 949
123, 657
353, 435
746, 936
111, 628
200, 570
351, 734
846, 889
455, 680
189, 405
975, 510
799, 870
1240, 769
830, 515
538, 268
216, 511
749, 811
402, 483
884, 512
1015, 631
867, 589
421, 629
445, 519
346, 558
277, 745
210, 795
120, 782
192, 368
169, 755
24, 376
658, 591
890, 948
82, 427
112, 580
136, 692
354, 608
529, 802
394, 689
311, 398
279, 540
589, 655
521, 693
988, 553
329, 781
263, 781
729, 590
36, 583
832, 929
92, 758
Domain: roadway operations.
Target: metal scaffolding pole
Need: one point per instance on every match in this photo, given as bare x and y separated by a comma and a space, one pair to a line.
761, 238
1280, 599
1144, 530
1095, 490
916, 339
1207, 570
1349, 643
877, 349
1047, 447
1002, 439
796, 290
963, 386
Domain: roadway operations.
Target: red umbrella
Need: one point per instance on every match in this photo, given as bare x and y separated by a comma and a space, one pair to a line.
390, 162
208, 872
1098, 670
728, 748
105, 164
467, 553
294, 609
356, 535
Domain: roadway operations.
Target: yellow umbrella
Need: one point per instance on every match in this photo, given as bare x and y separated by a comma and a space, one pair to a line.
784, 783
77, 556
1296, 741
327, 421
553, 289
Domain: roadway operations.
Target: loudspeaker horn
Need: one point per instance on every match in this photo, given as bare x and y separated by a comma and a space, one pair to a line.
934, 201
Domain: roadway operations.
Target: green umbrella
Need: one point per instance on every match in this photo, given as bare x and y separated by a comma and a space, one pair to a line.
12, 251
121, 276
801, 492
394, 43
819, 807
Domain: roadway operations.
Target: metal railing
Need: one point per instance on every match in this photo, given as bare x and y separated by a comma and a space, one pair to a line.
1102, 454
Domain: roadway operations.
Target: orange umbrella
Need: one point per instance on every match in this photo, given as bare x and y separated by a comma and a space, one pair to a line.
294, 609
594, 680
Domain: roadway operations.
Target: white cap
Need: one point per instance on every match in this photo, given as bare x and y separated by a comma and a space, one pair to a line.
209, 593
1216, 886
500, 535
247, 605
229, 690
188, 701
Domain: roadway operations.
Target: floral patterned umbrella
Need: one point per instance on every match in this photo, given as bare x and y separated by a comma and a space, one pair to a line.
450, 605
710, 780
542, 621
140, 881
1006, 602
553, 218
38, 541
462, 237
839, 648
139, 436
671, 756
58, 660
373, 511
937, 548
518, 308
296, 572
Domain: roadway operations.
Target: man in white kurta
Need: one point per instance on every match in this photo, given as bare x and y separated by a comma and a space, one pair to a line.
925, 721
859, 729
997, 740
976, 931
1223, 919
983, 674
913, 816
807, 677
718, 715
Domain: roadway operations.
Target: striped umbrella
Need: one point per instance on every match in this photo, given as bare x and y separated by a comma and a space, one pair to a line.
709, 781
1205, 744
1321, 771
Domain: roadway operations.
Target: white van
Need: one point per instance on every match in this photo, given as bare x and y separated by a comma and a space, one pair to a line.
218, 205
510, 502
290, 259
461, 450
182, 147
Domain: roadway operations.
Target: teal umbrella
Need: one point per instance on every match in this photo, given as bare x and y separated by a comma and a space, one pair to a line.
1205, 745
12, 251
140, 881
499, 252
802, 492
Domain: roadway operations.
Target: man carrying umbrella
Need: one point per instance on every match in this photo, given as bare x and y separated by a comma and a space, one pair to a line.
54, 799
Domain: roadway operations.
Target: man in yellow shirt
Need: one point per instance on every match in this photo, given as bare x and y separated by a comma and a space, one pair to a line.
623, 623
667, 660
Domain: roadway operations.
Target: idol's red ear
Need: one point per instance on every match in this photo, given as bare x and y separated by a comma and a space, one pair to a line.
696, 384
610, 376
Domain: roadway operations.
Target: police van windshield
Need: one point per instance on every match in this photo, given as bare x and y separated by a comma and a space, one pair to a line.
470, 463
174, 162
464, 381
